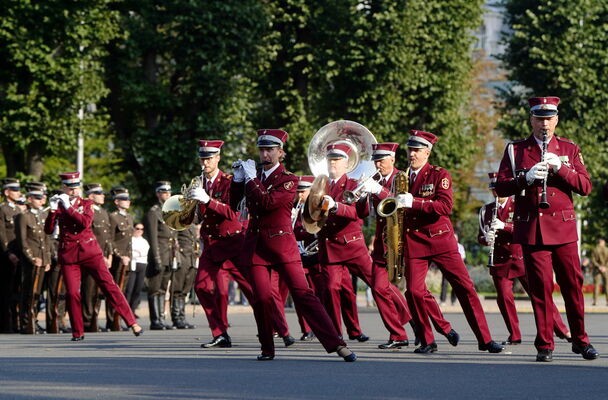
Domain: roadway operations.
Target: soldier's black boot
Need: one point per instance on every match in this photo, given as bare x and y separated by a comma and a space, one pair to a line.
175, 317
182, 314
161, 311
153, 303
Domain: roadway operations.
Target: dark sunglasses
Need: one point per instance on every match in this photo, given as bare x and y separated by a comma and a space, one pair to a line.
139, 229
37, 196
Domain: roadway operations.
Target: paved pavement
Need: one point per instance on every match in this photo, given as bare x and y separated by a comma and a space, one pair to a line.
171, 365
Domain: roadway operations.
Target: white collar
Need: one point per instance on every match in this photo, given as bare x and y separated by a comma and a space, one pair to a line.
11, 204
540, 142
123, 212
415, 171
270, 171
96, 207
34, 211
212, 179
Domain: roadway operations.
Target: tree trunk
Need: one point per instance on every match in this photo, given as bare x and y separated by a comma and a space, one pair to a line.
14, 160
34, 161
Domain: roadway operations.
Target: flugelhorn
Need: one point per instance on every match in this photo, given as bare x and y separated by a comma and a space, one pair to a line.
352, 196
178, 211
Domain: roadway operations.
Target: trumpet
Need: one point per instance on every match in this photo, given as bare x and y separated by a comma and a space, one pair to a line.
352, 196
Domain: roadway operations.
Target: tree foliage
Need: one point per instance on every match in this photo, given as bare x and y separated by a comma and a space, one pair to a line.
50, 67
561, 49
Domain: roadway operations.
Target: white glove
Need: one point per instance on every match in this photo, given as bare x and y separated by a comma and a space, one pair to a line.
538, 171
54, 202
490, 236
328, 203
238, 173
497, 225
199, 194
372, 186
405, 200
553, 161
64, 200
249, 169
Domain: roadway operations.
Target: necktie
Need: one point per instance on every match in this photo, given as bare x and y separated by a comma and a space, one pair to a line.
413, 178
263, 177
208, 185
331, 185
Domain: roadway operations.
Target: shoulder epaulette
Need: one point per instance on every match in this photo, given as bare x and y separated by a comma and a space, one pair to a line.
518, 141
285, 172
155, 207
228, 176
437, 168
561, 139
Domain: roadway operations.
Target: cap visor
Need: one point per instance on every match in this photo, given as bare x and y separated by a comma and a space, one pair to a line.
544, 113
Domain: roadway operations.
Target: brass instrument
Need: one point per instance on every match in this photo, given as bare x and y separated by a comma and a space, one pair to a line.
395, 216
352, 196
351, 133
178, 211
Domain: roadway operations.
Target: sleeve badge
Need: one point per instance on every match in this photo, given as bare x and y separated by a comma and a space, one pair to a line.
288, 185
445, 183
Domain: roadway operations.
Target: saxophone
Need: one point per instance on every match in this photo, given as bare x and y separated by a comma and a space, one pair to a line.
393, 234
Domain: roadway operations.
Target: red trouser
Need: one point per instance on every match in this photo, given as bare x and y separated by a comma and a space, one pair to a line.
314, 279
386, 298
96, 268
540, 263
211, 288
381, 283
303, 297
506, 305
456, 273
345, 307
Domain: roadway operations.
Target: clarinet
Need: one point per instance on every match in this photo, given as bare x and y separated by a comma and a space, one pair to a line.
543, 197
494, 216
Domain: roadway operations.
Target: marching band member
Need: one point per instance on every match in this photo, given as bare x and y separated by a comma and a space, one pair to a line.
554, 167
78, 249
223, 236
342, 250
383, 156
429, 237
508, 263
270, 244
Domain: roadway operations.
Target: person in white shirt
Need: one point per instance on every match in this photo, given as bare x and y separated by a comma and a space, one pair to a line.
139, 262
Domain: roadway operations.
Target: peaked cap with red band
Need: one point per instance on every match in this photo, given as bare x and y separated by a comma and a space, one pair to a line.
543, 106
209, 148
420, 139
382, 150
338, 150
271, 137
70, 179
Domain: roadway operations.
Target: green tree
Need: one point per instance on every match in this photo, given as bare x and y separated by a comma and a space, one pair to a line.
560, 49
183, 71
50, 68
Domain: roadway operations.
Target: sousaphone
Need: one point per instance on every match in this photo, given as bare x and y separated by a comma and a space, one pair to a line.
360, 140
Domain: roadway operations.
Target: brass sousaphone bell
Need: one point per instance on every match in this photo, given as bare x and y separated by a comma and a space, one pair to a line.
351, 133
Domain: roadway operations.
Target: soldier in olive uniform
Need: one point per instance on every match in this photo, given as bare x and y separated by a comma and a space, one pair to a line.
91, 298
162, 257
183, 277
35, 252
121, 232
9, 260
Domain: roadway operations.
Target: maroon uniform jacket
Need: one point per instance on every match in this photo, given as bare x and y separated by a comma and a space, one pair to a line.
556, 224
428, 229
221, 230
76, 239
508, 257
379, 252
341, 238
269, 239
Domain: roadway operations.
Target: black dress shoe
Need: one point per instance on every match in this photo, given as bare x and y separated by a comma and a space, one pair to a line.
426, 349
189, 326
510, 342
78, 338
453, 337
346, 354
394, 344
218, 341
359, 338
288, 340
157, 327
544, 355
491, 347
588, 352
265, 357
416, 341
352, 357
307, 337
564, 337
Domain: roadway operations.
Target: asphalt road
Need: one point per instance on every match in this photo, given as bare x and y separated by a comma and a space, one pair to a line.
171, 365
